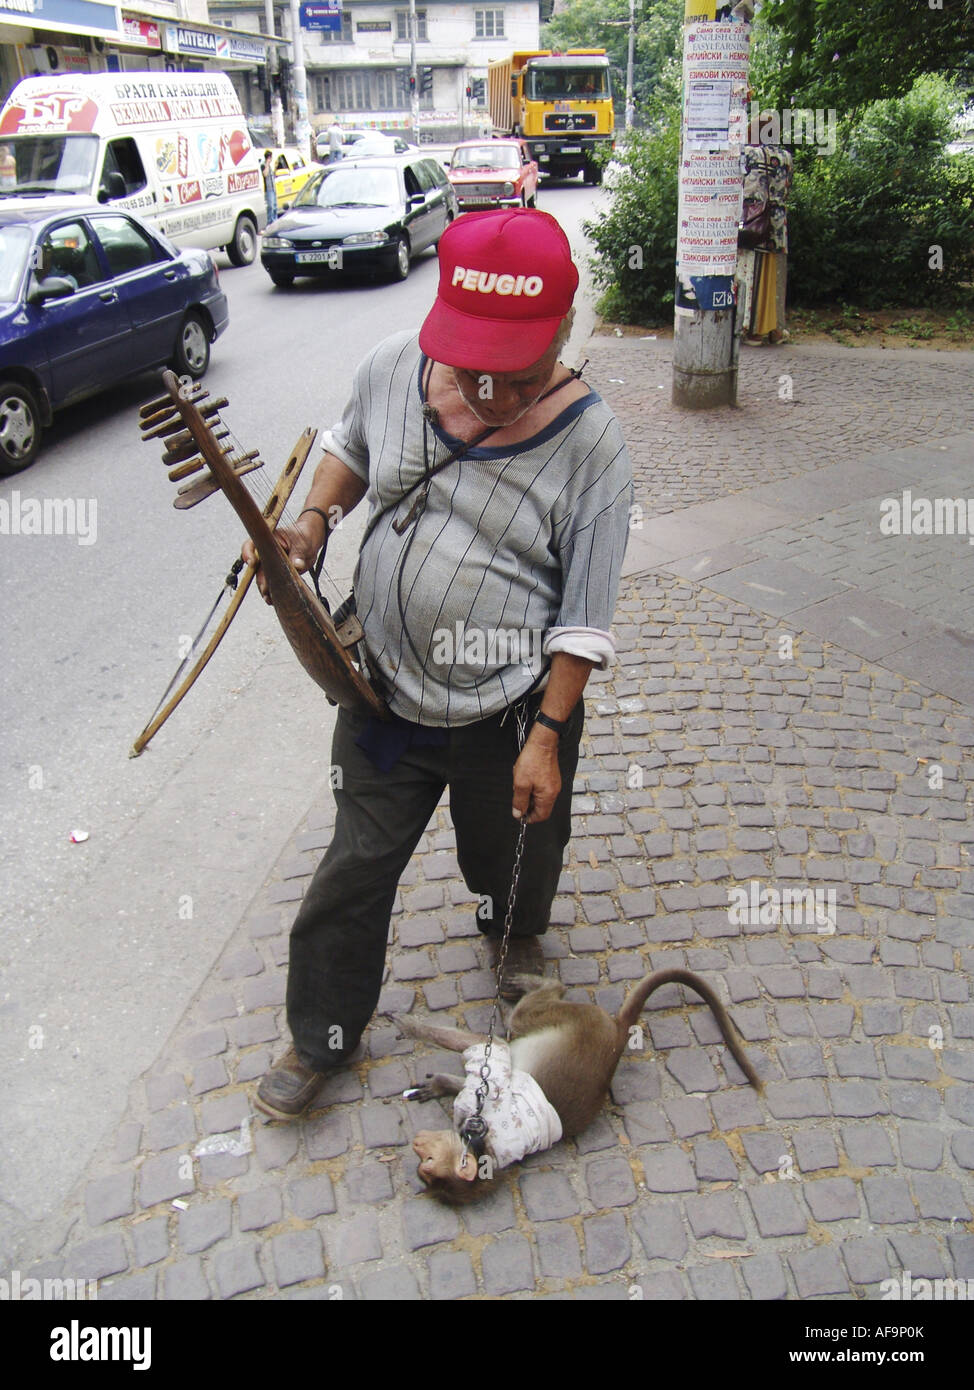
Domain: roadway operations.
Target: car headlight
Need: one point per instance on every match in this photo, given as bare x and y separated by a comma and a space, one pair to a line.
365, 239
275, 243
508, 189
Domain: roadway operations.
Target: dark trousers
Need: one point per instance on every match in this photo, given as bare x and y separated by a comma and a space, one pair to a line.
338, 941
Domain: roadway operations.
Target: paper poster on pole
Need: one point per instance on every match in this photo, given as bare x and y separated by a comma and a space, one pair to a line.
707, 114
715, 59
711, 195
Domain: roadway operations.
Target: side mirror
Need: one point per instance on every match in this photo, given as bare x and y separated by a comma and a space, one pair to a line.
54, 287
415, 198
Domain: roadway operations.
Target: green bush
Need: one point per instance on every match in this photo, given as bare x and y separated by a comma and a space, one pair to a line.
635, 240
861, 221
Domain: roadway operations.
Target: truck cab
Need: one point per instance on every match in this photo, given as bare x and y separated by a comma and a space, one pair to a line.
560, 103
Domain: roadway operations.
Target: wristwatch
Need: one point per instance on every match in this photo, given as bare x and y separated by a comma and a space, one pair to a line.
559, 726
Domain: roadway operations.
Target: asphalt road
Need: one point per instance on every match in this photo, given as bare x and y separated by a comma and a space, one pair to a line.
104, 942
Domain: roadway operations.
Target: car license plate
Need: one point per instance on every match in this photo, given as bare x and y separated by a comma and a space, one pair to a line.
308, 257
571, 149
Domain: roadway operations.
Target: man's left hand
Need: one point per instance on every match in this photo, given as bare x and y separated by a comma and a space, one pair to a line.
537, 780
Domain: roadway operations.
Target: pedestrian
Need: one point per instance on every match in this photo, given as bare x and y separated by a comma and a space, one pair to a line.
763, 268
270, 188
336, 137
486, 596
8, 168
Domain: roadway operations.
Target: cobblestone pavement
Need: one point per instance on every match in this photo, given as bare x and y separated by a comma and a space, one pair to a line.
800, 409
714, 758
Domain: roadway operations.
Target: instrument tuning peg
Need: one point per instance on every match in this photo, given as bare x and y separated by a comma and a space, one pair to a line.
152, 407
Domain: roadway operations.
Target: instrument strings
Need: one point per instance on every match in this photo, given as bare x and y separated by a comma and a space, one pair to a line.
262, 491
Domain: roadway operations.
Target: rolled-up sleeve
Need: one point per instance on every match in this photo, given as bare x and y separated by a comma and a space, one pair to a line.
347, 439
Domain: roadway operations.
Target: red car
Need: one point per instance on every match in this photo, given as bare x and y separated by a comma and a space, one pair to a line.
493, 174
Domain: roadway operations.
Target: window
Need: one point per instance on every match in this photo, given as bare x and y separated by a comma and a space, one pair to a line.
68, 251
123, 164
334, 35
402, 25
488, 24
373, 89
125, 245
425, 175
436, 173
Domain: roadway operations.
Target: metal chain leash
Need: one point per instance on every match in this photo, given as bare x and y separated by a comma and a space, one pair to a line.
475, 1127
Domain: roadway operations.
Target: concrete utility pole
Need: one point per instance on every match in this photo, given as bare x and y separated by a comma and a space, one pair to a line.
705, 346
302, 127
274, 67
413, 74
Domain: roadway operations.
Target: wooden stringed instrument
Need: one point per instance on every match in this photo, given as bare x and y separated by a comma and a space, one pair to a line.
197, 441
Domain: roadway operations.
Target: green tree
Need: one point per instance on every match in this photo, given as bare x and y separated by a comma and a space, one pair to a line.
605, 24
888, 219
635, 238
846, 53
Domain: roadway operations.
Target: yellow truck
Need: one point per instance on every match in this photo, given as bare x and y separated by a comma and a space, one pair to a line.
559, 103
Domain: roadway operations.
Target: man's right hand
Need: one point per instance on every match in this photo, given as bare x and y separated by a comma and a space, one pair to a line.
301, 542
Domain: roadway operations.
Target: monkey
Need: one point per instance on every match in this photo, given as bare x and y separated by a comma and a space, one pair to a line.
550, 1081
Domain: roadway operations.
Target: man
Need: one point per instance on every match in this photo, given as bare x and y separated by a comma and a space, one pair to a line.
522, 533
270, 187
336, 138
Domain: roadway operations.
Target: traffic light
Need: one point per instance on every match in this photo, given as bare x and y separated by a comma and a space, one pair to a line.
426, 80
412, 83
469, 91
478, 88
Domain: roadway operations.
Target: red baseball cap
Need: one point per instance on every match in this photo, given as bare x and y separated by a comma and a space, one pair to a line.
506, 282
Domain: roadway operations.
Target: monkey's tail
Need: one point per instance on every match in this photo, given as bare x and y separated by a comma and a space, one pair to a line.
636, 1001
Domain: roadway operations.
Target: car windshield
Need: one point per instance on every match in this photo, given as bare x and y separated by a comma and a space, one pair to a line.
485, 157
53, 163
14, 246
344, 188
567, 84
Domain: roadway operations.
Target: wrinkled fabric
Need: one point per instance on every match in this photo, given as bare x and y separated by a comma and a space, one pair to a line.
520, 1119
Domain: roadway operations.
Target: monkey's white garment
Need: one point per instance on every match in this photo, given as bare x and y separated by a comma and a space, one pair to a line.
520, 1119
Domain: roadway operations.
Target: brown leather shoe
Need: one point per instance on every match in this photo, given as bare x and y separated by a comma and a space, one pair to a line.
287, 1090
524, 957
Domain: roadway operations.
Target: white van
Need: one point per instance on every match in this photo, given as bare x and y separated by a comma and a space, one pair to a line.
173, 147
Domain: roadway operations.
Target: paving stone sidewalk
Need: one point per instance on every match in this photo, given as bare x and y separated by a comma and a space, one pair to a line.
710, 761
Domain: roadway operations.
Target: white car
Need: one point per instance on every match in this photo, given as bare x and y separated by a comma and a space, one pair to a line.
358, 144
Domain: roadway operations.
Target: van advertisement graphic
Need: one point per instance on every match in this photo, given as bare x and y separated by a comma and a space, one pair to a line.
49, 111
172, 156
233, 148
239, 183
208, 152
190, 192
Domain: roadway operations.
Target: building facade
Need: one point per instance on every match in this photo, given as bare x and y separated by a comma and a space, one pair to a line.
61, 36
360, 73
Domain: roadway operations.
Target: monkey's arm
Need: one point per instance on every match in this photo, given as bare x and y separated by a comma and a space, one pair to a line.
442, 1083
453, 1039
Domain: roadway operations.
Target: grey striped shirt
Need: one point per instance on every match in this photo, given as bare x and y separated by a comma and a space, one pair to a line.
513, 545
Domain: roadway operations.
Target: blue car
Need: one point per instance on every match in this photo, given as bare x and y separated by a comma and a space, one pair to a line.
89, 296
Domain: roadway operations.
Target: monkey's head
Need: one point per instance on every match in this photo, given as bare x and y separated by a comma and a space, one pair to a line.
450, 1171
